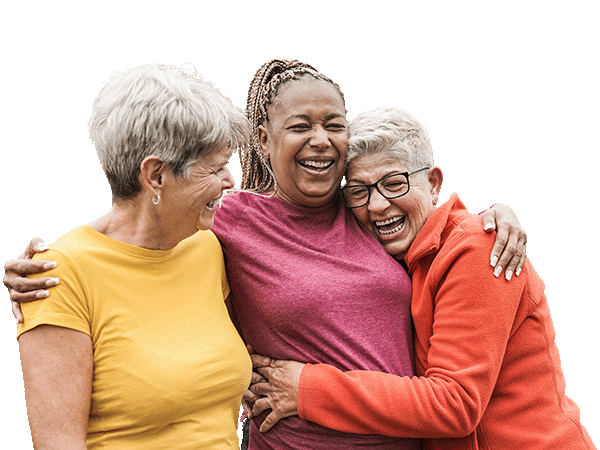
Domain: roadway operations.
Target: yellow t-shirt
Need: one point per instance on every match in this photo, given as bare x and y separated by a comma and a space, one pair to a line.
169, 367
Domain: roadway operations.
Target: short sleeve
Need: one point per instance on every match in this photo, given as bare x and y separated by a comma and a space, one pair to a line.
67, 305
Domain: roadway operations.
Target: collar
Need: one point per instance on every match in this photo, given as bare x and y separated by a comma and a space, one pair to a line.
431, 236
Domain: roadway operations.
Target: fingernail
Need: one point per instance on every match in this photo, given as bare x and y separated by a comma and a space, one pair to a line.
508, 274
518, 271
50, 265
42, 247
42, 294
497, 271
52, 282
488, 227
494, 261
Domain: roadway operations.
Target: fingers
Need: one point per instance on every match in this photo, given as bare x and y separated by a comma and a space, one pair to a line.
249, 397
259, 388
248, 400
516, 262
23, 289
28, 290
259, 360
257, 378
489, 220
497, 251
16, 309
270, 421
260, 406
247, 407
26, 267
509, 251
36, 245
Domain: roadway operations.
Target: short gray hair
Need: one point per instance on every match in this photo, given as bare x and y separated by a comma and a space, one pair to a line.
393, 131
163, 111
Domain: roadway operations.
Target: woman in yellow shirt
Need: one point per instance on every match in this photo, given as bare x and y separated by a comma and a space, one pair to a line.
134, 348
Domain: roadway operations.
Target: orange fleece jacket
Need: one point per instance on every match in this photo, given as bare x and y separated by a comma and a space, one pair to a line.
489, 374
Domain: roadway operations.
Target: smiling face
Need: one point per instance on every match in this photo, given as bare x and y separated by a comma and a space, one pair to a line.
192, 199
394, 222
306, 141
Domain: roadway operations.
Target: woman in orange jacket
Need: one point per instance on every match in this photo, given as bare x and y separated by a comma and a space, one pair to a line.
489, 374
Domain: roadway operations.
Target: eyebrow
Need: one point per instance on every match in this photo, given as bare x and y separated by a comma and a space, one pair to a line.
357, 181
364, 183
307, 117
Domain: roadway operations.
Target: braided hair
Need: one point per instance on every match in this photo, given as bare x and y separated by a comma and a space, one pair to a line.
257, 174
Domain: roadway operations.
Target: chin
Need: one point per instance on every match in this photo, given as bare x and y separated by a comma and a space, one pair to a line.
396, 252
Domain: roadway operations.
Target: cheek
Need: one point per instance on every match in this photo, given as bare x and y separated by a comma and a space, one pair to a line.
342, 145
362, 217
418, 217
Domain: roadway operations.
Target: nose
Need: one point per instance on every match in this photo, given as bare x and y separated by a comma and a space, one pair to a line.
319, 137
228, 181
378, 203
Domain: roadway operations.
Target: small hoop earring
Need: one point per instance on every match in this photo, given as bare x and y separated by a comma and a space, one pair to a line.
156, 200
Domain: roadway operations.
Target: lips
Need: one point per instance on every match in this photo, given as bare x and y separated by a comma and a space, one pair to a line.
390, 226
317, 166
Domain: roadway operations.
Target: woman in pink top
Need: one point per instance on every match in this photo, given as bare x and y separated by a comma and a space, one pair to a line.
489, 374
308, 283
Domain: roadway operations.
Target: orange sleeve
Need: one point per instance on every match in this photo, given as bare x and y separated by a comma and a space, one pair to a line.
473, 317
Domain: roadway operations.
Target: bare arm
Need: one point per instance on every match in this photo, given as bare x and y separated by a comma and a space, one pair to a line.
57, 372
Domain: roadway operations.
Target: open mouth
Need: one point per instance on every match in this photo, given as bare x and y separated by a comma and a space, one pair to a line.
316, 166
214, 203
390, 226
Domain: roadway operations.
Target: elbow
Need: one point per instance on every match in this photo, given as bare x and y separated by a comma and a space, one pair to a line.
462, 415
466, 427
458, 426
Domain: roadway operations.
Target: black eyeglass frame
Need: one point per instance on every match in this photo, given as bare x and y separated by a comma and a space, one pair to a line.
376, 186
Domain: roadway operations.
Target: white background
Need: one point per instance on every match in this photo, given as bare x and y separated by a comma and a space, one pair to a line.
509, 93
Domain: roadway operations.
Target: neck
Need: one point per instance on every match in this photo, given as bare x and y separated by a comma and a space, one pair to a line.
135, 222
310, 202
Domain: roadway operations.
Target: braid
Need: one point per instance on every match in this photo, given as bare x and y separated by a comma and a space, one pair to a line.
257, 174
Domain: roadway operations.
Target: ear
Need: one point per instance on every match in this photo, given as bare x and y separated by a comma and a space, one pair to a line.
151, 174
263, 140
435, 178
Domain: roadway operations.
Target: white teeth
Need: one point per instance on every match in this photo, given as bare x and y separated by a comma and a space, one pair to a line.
393, 230
381, 223
317, 164
387, 222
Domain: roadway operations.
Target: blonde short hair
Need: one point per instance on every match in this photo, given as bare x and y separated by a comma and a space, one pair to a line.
390, 130
163, 111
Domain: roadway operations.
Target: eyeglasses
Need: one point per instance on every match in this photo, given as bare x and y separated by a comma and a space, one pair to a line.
391, 186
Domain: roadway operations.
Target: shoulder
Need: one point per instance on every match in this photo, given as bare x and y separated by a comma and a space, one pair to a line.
451, 238
234, 206
448, 226
202, 243
67, 248
464, 233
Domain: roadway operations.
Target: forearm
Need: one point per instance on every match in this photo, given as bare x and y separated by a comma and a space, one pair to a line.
472, 320
365, 402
